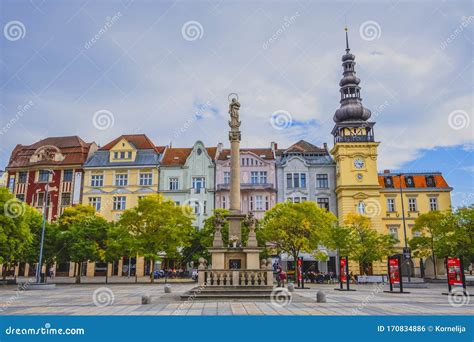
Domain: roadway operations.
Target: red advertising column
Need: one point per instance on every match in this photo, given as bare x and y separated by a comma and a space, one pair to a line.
455, 275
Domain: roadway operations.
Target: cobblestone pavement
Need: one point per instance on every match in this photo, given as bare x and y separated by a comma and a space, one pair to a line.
120, 299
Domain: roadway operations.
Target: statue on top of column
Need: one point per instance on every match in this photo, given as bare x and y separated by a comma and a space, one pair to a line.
234, 107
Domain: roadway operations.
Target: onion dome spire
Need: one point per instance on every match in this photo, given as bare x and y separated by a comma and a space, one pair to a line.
351, 103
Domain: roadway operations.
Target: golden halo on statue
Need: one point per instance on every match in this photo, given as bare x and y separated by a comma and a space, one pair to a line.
232, 96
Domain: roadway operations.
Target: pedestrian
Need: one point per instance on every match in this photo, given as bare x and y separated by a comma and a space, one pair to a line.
51, 272
282, 278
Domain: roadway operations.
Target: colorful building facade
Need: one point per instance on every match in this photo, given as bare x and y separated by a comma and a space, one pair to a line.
257, 180
56, 163
187, 176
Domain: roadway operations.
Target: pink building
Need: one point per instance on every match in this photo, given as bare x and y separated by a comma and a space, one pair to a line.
257, 177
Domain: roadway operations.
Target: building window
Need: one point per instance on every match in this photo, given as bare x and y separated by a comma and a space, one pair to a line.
226, 177
430, 182
224, 202
409, 182
174, 183
433, 203
43, 176
267, 203
121, 179
198, 184
177, 203
116, 155
251, 203
323, 203
296, 180
40, 199
197, 208
22, 177
412, 204
388, 182
390, 205
20, 197
254, 177
119, 202
393, 230
97, 180
122, 155
259, 202
67, 176
129, 155
322, 181
263, 177
66, 198
146, 178
95, 202
204, 207
361, 208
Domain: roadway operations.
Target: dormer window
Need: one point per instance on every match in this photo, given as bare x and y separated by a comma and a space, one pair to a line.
388, 182
409, 182
430, 182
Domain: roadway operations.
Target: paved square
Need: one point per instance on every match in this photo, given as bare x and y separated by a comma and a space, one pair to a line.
125, 299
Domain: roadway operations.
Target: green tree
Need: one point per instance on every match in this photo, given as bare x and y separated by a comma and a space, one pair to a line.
119, 242
15, 233
430, 226
83, 236
158, 225
368, 245
294, 228
457, 237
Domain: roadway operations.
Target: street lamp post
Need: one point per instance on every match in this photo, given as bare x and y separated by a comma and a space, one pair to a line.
404, 224
45, 209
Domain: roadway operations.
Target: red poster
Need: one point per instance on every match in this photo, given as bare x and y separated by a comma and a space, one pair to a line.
454, 271
300, 270
394, 271
342, 269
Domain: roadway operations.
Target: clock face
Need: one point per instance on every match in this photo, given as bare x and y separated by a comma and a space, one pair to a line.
358, 163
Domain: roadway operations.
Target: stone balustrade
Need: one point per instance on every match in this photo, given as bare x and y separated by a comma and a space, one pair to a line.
235, 277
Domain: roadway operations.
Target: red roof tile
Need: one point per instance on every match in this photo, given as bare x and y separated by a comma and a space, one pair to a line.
139, 141
74, 150
418, 179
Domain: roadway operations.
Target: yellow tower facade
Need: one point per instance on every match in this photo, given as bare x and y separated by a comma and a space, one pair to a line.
355, 153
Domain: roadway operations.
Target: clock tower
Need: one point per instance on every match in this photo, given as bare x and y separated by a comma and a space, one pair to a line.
355, 150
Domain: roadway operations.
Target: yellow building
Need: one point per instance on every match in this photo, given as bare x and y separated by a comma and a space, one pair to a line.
116, 177
359, 187
421, 192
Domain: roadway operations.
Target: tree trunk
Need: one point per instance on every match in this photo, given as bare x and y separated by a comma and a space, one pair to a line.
79, 273
152, 271
434, 264
107, 274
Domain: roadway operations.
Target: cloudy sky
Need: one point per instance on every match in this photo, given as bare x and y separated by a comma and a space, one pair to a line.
99, 69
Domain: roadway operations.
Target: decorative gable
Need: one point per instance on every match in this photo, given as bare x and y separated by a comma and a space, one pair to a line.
123, 151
